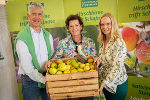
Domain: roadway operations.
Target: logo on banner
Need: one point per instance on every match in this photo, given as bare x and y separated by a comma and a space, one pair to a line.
89, 3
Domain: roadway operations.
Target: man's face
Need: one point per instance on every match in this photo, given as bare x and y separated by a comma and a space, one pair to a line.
36, 17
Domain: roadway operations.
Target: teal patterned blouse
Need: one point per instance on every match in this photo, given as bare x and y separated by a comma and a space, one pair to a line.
67, 47
112, 58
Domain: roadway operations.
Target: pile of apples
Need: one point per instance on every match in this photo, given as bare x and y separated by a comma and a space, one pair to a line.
60, 66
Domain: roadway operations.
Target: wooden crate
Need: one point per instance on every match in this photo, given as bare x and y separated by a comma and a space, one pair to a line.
73, 85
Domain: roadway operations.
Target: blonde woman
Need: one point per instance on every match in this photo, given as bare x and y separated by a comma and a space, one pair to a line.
112, 53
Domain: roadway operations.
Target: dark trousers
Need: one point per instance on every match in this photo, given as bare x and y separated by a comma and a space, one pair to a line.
31, 91
120, 94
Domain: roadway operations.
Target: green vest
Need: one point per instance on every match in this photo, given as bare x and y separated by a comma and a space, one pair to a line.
26, 37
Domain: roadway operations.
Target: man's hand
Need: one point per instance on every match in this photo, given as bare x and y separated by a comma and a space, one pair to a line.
48, 64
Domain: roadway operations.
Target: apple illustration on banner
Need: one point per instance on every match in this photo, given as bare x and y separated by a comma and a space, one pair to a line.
143, 52
131, 37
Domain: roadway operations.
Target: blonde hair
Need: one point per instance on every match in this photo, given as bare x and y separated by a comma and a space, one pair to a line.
35, 5
114, 31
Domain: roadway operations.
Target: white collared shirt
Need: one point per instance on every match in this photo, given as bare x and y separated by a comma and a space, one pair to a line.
25, 58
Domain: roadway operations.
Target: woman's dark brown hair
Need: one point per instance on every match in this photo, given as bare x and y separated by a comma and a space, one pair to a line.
74, 17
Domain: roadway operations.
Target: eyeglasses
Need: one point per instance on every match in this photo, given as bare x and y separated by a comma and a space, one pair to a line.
107, 24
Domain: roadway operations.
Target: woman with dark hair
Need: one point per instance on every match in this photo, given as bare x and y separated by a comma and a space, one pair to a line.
68, 47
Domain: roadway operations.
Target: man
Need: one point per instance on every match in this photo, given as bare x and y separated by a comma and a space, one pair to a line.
33, 47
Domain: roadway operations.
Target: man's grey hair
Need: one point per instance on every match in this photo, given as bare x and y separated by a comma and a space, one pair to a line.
35, 5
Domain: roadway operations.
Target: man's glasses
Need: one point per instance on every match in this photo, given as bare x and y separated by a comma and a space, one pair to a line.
107, 24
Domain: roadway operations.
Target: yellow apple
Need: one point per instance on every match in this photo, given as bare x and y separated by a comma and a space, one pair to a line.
68, 67
58, 61
92, 67
67, 71
82, 65
62, 67
68, 62
90, 60
75, 64
80, 70
74, 71
53, 65
59, 72
86, 68
52, 71
87, 64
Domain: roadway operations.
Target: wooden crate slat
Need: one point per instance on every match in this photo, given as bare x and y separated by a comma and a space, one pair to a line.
71, 76
75, 94
72, 82
73, 88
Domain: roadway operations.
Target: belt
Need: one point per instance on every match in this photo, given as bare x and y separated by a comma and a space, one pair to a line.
25, 75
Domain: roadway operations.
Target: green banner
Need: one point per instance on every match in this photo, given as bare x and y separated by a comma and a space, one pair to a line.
56, 12
138, 88
133, 10
134, 19
17, 14
90, 10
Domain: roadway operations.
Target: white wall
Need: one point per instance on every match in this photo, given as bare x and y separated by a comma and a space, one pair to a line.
8, 82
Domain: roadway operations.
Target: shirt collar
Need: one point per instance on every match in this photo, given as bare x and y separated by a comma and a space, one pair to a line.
34, 32
76, 42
